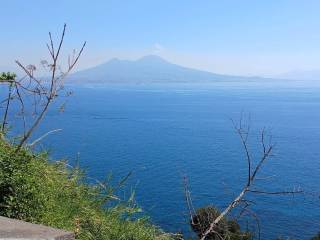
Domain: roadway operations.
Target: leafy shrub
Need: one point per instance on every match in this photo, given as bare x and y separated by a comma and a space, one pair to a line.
226, 229
316, 237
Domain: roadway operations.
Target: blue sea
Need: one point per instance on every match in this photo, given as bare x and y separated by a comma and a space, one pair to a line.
165, 132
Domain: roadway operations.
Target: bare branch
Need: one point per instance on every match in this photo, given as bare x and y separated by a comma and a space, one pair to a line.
44, 93
266, 153
244, 139
249, 212
232, 205
61, 41
277, 193
4, 121
77, 58
52, 46
43, 136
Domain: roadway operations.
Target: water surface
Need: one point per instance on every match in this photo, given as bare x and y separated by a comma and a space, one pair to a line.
164, 132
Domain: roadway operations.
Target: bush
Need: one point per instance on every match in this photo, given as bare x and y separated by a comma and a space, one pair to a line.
226, 229
51, 193
316, 237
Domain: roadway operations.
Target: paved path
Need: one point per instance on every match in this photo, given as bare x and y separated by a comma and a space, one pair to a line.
11, 229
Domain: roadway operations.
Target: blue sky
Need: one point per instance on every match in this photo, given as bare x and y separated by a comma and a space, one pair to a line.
235, 37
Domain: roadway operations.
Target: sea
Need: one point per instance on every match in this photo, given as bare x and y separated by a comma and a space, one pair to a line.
167, 134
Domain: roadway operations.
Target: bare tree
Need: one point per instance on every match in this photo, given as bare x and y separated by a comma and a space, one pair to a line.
249, 187
7, 78
42, 91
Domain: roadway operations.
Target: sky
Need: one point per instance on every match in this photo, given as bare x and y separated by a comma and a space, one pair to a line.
246, 37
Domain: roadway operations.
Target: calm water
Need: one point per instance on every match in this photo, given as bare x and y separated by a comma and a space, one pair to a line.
161, 133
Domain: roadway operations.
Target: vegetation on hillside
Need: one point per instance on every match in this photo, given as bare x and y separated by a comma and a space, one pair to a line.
52, 193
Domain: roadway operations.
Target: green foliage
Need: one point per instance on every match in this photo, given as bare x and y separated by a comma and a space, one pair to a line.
226, 229
51, 193
7, 76
316, 237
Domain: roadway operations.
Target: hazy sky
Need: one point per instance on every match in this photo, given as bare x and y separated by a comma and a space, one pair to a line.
235, 37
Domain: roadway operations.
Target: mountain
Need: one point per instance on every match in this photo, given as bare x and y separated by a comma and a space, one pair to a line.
148, 69
301, 75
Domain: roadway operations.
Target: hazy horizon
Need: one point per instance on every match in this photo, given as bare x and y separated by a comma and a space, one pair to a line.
247, 38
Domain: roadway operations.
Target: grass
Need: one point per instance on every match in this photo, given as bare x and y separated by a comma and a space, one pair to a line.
36, 190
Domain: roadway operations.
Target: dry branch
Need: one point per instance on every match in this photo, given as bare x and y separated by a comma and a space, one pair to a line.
42, 91
267, 148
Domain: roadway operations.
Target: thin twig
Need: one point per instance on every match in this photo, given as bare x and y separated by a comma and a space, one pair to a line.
43, 136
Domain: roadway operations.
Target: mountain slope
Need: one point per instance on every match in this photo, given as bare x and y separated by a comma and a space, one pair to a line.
310, 75
148, 69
